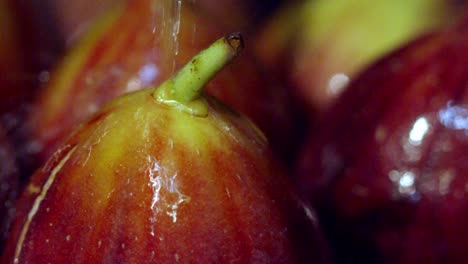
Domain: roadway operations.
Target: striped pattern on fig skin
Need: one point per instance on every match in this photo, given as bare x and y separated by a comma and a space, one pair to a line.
122, 48
146, 183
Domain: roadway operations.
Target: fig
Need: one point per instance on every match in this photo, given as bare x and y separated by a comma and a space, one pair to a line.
165, 175
321, 44
388, 170
136, 46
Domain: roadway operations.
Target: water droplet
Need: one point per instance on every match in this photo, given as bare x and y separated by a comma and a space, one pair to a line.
148, 73
337, 83
454, 117
404, 182
166, 194
407, 180
419, 130
176, 26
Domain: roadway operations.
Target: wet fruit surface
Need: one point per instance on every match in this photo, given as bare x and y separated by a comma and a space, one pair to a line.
167, 196
135, 48
151, 177
388, 170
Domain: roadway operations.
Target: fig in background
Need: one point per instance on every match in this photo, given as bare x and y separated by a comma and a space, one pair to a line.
74, 18
165, 175
8, 186
321, 44
388, 170
136, 47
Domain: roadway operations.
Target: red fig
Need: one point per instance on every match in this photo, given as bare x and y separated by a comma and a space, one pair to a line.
130, 50
389, 167
165, 175
322, 44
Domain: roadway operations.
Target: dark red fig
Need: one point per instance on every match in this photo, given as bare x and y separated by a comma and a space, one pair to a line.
165, 175
388, 168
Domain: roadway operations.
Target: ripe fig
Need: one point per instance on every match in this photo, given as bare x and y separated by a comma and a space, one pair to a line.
388, 170
321, 44
135, 47
165, 175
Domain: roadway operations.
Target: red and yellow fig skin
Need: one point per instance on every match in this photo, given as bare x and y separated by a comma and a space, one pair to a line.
143, 182
388, 171
134, 48
319, 46
9, 186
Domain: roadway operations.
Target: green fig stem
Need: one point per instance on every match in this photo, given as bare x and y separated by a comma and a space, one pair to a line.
185, 88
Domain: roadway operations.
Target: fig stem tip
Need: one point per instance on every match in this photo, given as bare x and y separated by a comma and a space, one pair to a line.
236, 41
188, 83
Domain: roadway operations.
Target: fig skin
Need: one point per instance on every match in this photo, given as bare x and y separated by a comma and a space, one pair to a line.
124, 53
142, 181
388, 168
320, 45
